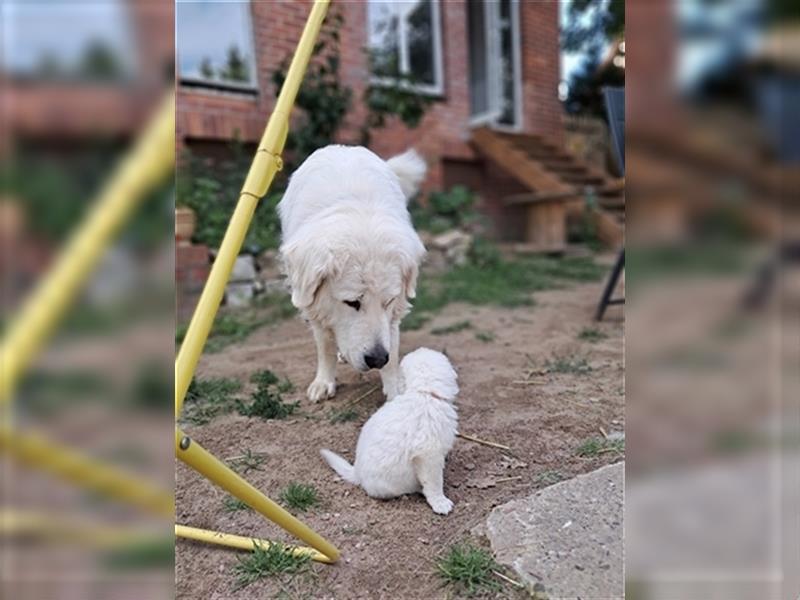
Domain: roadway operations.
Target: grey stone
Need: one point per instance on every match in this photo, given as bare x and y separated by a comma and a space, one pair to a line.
566, 537
244, 269
238, 295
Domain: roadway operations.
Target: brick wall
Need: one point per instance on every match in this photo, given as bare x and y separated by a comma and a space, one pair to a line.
444, 132
192, 264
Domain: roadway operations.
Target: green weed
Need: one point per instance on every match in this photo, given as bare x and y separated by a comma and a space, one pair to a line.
575, 365
344, 415
267, 400
591, 334
469, 569
454, 328
233, 504
596, 446
274, 559
209, 398
299, 496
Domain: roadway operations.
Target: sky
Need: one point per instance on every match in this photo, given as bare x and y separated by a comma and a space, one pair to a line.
33, 28
203, 29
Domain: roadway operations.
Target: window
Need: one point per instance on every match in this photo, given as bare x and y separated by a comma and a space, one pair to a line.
495, 81
69, 41
215, 45
405, 44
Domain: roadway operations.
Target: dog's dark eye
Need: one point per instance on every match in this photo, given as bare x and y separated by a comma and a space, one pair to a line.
353, 303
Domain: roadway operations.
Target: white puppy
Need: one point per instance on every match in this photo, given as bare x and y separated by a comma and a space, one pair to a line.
352, 257
401, 449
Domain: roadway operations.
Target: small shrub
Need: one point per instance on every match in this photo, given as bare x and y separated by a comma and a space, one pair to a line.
484, 336
469, 569
274, 559
267, 401
445, 210
299, 496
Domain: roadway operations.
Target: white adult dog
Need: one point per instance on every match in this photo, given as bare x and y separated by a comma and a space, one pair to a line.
352, 257
401, 449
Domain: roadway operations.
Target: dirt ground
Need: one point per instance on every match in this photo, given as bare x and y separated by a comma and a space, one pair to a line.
389, 548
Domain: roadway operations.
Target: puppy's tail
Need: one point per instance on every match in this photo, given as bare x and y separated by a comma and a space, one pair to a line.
343, 468
410, 170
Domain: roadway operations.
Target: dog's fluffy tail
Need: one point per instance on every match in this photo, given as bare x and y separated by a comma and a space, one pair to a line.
410, 170
343, 468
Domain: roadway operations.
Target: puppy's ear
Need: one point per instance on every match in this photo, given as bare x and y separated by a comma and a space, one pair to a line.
307, 266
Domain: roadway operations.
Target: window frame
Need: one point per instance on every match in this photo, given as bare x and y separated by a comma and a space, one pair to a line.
435, 89
198, 84
492, 115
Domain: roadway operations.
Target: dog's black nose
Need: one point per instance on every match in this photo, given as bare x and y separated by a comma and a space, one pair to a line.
376, 358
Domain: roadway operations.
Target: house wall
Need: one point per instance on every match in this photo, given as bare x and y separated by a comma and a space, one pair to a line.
443, 134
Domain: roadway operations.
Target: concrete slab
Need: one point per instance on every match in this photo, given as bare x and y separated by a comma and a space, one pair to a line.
565, 540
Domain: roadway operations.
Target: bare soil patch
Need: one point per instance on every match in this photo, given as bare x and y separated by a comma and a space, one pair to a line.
389, 548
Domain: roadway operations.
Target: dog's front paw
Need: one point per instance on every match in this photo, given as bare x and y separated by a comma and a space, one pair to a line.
442, 505
321, 389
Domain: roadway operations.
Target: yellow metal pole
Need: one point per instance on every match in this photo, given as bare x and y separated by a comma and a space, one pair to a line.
146, 166
69, 465
241, 542
266, 163
27, 523
205, 463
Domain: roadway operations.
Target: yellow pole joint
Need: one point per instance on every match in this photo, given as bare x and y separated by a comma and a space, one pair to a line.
205, 463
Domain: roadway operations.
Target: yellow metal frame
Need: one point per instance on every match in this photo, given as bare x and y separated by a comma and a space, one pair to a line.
150, 161
266, 163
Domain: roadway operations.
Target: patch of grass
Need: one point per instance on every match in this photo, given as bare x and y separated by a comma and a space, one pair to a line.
235, 326
454, 328
142, 555
269, 561
549, 477
48, 392
575, 365
469, 569
344, 415
507, 283
232, 504
267, 400
299, 496
415, 320
484, 336
248, 461
596, 446
208, 398
591, 334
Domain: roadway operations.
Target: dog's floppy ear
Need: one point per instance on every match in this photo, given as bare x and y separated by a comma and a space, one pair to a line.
307, 265
410, 273
411, 262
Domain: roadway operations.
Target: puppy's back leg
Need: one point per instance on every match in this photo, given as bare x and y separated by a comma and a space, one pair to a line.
430, 473
324, 384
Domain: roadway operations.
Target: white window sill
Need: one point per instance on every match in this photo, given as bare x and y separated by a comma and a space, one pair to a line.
432, 90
